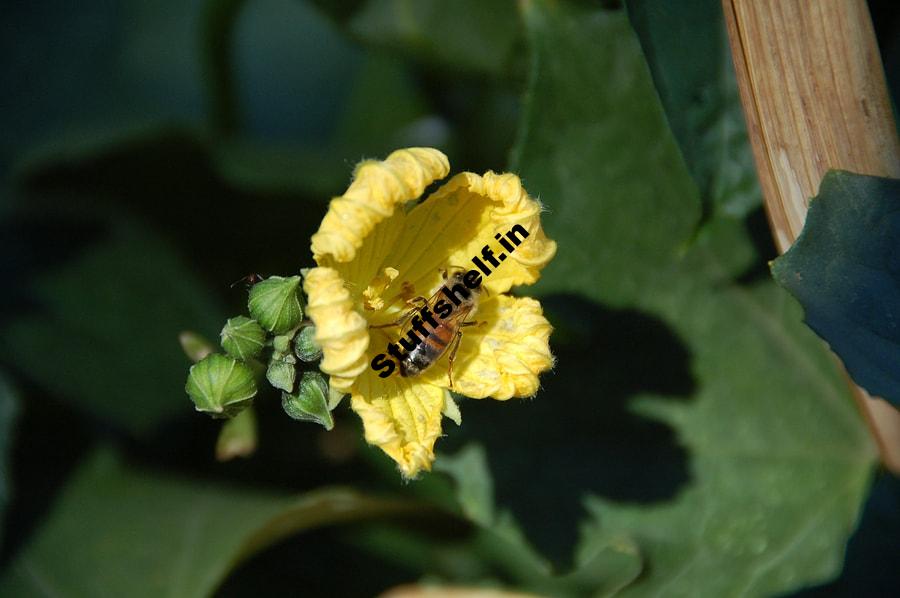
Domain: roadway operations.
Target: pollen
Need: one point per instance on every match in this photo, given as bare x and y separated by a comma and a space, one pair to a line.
372, 295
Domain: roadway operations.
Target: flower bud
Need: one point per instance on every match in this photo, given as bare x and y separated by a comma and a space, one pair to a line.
220, 385
243, 338
194, 345
282, 343
237, 437
275, 303
305, 346
310, 402
281, 372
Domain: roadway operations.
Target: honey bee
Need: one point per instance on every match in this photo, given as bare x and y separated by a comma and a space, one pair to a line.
446, 313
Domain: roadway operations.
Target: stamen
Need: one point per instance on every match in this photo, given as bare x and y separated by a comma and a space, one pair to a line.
372, 300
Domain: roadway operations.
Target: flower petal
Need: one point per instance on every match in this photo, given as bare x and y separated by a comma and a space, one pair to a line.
457, 221
402, 416
340, 330
377, 188
503, 357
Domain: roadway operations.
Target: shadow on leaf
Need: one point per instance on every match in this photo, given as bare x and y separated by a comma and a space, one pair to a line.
579, 435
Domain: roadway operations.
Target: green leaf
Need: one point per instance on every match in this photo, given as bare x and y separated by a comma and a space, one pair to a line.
310, 402
686, 47
845, 271
105, 329
604, 563
243, 338
220, 386
275, 303
145, 534
474, 486
779, 457
8, 415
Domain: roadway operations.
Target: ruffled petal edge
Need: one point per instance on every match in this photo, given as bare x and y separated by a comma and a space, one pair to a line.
341, 331
378, 187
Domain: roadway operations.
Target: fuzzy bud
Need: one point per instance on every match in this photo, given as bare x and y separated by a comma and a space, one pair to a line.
220, 385
243, 338
305, 346
275, 303
310, 402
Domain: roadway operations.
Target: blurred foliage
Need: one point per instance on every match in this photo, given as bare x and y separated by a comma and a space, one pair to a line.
699, 93
844, 270
9, 407
442, 34
166, 535
695, 438
104, 317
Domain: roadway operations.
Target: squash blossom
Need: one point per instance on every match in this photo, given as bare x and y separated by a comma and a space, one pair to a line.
377, 248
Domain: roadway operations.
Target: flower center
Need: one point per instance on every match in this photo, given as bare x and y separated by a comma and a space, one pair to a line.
372, 300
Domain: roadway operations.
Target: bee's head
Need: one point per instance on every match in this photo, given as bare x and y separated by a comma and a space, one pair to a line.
470, 279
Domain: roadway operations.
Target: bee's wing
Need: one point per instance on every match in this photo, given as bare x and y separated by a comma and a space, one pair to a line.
403, 321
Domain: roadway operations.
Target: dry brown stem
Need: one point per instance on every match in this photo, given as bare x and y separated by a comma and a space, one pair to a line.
815, 98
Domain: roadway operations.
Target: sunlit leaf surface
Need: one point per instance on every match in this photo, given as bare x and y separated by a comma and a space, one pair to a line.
779, 458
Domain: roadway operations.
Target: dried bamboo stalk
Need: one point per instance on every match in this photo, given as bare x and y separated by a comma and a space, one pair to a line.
814, 96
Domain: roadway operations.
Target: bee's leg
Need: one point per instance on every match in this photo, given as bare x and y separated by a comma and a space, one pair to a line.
396, 323
406, 316
452, 356
481, 323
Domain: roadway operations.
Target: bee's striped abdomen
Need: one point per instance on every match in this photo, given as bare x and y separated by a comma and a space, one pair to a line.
427, 352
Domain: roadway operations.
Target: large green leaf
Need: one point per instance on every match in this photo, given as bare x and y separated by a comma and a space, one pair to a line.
120, 532
686, 46
845, 271
495, 550
779, 458
603, 562
8, 412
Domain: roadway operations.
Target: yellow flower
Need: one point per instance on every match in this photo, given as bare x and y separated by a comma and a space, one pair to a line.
377, 248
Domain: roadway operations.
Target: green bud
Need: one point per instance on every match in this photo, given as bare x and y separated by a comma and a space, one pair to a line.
305, 346
243, 338
220, 385
275, 303
281, 372
194, 345
310, 402
237, 437
282, 343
